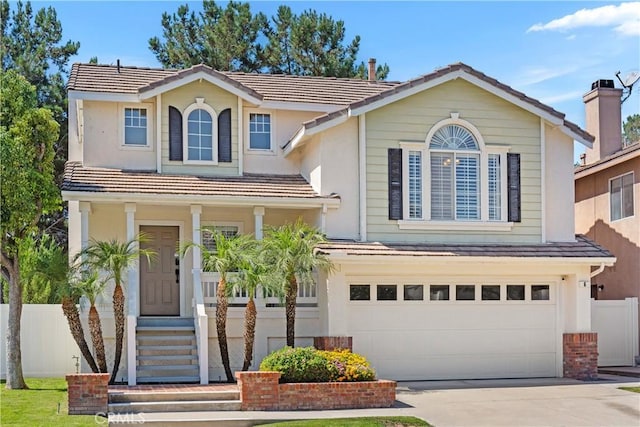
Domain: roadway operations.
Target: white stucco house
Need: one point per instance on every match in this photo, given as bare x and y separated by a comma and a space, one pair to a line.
447, 200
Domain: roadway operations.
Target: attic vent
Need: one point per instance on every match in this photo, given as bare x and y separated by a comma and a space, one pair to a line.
602, 83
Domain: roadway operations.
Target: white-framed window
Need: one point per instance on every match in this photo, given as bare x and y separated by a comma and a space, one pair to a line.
260, 131
136, 126
621, 196
454, 179
229, 229
200, 135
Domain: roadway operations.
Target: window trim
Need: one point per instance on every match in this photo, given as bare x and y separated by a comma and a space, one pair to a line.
150, 125
633, 214
199, 104
484, 223
247, 132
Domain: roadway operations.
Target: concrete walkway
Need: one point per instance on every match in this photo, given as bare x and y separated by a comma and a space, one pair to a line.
529, 402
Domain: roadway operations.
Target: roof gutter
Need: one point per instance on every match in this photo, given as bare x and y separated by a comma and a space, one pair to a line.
597, 271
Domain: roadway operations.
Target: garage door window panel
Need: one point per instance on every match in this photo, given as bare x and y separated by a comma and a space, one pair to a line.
387, 292
465, 292
515, 292
439, 292
540, 293
490, 292
413, 292
359, 292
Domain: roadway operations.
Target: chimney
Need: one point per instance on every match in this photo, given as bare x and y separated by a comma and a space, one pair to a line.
372, 69
603, 119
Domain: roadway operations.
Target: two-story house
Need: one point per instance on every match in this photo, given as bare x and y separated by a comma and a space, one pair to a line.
447, 199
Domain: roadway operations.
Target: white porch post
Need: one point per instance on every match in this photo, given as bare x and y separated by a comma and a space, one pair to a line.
132, 294
196, 211
200, 317
85, 211
258, 214
337, 296
323, 219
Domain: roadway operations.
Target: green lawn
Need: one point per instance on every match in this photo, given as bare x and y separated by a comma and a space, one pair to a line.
356, 422
633, 389
39, 405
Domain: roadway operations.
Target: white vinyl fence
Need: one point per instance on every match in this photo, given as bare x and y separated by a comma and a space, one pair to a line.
47, 345
616, 322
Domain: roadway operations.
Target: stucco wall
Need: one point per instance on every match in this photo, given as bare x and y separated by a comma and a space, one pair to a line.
410, 119
558, 186
621, 237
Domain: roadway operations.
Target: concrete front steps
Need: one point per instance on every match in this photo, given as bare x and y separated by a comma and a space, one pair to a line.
151, 401
166, 350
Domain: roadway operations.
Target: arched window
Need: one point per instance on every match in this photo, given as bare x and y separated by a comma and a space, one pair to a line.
455, 174
200, 133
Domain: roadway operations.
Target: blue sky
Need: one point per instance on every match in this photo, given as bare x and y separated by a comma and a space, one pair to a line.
550, 50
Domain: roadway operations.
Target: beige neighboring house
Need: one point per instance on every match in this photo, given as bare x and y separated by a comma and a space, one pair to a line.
445, 199
607, 187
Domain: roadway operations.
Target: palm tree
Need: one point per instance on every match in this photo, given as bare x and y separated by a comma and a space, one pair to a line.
223, 260
291, 251
91, 287
253, 272
69, 296
114, 258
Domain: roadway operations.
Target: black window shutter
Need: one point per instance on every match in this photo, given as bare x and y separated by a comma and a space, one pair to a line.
175, 134
513, 187
395, 183
224, 136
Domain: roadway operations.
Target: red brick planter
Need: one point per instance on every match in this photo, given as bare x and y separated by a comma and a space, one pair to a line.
88, 393
580, 355
260, 391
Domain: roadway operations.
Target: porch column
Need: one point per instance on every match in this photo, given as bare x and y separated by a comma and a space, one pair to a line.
202, 331
85, 211
132, 295
323, 219
258, 214
337, 296
196, 211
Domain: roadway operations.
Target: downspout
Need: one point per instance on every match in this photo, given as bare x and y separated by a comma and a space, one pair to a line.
597, 271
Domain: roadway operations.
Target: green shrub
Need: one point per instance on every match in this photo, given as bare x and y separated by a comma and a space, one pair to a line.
299, 365
306, 364
350, 366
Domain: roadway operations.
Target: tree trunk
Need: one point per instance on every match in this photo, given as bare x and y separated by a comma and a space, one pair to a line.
70, 311
15, 379
249, 333
96, 337
118, 314
290, 307
221, 327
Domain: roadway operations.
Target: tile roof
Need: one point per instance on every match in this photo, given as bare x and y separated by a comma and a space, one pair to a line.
581, 248
402, 87
629, 152
269, 87
78, 178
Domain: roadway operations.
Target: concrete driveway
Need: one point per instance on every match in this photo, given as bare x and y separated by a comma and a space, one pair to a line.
534, 402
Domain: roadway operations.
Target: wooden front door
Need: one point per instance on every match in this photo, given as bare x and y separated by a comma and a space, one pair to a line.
160, 278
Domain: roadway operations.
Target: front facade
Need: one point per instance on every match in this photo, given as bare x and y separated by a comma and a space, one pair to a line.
444, 199
607, 187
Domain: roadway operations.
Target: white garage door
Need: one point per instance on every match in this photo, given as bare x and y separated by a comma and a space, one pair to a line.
455, 331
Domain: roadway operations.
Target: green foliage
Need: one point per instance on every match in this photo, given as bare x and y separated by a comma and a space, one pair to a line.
27, 135
307, 364
356, 422
631, 129
299, 365
350, 366
230, 39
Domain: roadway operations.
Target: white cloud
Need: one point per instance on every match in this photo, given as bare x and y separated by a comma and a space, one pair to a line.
560, 97
539, 74
624, 18
571, 37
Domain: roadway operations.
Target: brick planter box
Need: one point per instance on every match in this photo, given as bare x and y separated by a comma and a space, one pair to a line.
88, 393
260, 391
580, 355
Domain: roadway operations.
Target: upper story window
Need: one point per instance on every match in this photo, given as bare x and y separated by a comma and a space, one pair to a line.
621, 196
260, 131
454, 179
200, 133
135, 126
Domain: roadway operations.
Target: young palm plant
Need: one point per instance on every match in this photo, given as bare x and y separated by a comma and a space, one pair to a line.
114, 258
253, 272
290, 250
90, 286
223, 260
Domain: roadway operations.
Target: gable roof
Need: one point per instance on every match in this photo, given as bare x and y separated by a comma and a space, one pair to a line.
262, 88
451, 72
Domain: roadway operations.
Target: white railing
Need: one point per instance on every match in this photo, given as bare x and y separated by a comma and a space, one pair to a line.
202, 328
307, 296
